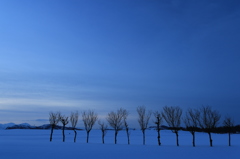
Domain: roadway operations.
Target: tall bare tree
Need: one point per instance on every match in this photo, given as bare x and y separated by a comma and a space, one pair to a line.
115, 120
64, 120
172, 115
103, 128
74, 120
229, 124
53, 119
158, 121
191, 121
89, 118
209, 120
143, 119
125, 115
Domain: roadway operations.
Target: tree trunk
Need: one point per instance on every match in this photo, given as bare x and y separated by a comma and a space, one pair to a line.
159, 142
177, 137
128, 136
88, 135
63, 133
210, 139
103, 137
193, 139
115, 136
75, 135
51, 134
229, 139
143, 131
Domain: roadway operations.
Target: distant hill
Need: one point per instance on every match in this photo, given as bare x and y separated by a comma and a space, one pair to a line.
4, 126
163, 127
28, 126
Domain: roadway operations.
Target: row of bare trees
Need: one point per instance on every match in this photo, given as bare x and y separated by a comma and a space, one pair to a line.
204, 118
89, 118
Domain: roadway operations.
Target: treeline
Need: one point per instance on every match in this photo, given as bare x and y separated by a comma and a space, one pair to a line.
202, 119
218, 130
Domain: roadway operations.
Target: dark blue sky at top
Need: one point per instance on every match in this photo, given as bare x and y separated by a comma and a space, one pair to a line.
103, 55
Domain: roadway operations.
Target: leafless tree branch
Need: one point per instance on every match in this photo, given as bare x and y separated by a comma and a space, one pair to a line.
115, 120
74, 120
172, 115
53, 119
103, 128
89, 118
229, 124
191, 122
125, 115
208, 120
64, 120
143, 119
158, 121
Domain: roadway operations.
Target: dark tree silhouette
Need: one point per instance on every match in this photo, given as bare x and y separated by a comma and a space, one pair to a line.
53, 119
103, 128
143, 119
89, 118
158, 121
172, 115
125, 115
64, 120
209, 120
229, 124
115, 120
191, 121
74, 120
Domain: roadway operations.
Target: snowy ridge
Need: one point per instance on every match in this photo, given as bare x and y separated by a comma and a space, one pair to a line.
28, 126
4, 126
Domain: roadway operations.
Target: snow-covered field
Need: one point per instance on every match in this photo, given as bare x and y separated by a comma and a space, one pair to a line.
34, 144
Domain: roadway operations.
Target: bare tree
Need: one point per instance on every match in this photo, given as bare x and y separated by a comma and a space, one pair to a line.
115, 120
53, 119
229, 124
172, 115
191, 121
64, 120
89, 118
209, 120
143, 119
158, 121
125, 115
74, 120
103, 128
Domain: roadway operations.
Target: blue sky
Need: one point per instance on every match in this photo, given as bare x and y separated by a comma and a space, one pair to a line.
77, 55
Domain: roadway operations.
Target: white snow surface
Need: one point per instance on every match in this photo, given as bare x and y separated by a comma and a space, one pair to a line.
34, 144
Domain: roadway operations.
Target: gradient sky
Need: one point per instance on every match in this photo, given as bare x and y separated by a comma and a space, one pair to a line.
67, 55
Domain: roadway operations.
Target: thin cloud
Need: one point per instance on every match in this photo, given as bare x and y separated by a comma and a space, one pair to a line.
41, 120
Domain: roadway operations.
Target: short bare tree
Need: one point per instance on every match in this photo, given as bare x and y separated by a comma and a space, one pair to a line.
103, 128
158, 119
209, 120
89, 118
64, 120
172, 115
229, 124
74, 120
115, 120
143, 119
53, 119
191, 121
125, 115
